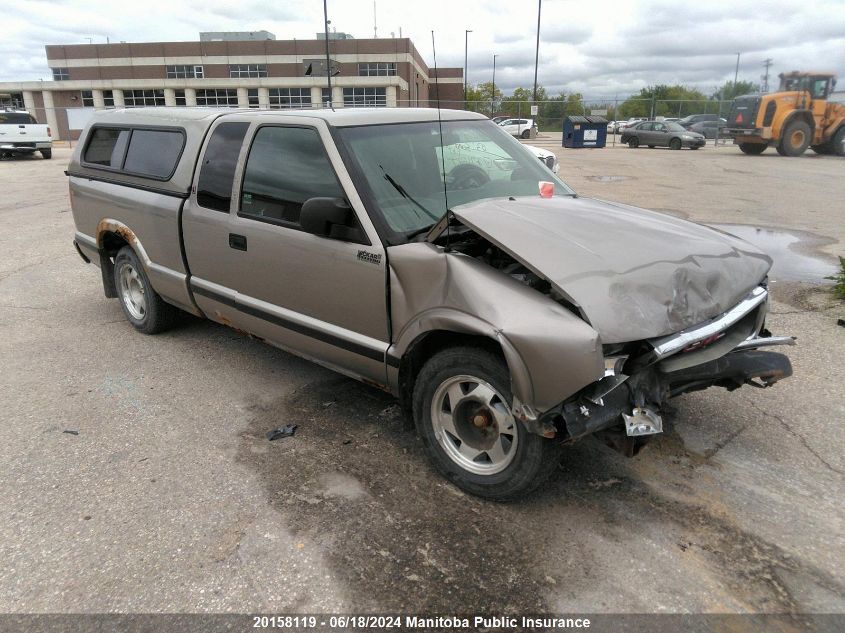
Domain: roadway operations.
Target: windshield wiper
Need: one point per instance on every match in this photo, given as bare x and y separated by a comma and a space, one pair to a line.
412, 234
405, 194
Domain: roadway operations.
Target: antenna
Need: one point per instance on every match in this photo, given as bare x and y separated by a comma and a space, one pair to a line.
442, 151
375, 26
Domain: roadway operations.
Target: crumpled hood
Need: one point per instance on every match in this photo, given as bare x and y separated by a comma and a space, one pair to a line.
636, 274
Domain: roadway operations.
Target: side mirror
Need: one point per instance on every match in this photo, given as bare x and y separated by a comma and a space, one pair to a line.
332, 218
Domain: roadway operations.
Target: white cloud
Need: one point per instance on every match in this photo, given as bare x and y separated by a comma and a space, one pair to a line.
600, 49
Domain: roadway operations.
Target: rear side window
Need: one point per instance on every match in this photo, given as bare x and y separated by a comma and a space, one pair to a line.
139, 152
217, 174
286, 167
107, 147
154, 153
16, 118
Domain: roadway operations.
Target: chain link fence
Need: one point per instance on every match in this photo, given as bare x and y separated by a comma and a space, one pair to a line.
67, 122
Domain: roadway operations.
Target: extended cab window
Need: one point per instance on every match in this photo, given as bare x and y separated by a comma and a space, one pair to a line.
286, 167
154, 153
107, 147
217, 174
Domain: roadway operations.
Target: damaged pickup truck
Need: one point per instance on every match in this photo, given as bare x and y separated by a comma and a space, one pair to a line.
436, 259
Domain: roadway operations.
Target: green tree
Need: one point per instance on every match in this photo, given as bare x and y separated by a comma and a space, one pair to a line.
481, 97
730, 90
666, 101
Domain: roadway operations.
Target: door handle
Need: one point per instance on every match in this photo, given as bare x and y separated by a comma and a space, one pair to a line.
238, 242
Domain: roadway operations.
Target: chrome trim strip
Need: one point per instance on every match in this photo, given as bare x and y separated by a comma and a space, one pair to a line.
757, 341
668, 345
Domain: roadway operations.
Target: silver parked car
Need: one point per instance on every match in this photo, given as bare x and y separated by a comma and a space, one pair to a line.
437, 260
661, 134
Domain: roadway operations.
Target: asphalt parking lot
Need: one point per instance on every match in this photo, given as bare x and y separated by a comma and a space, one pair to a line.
168, 496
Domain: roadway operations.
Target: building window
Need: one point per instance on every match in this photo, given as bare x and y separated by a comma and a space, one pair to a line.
87, 99
240, 71
364, 97
252, 97
327, 98
180, 98
184, 72
218, 98
290, 98
141, 98
108, 98
60, 74
377, 69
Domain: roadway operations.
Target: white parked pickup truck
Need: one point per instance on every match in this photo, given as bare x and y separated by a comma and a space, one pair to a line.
20, 133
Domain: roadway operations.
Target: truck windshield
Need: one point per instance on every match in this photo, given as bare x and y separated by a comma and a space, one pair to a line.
402, 167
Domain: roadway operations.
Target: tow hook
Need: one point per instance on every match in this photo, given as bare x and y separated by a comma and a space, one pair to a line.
642, 421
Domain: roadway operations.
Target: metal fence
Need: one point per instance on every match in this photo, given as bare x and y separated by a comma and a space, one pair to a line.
68, 122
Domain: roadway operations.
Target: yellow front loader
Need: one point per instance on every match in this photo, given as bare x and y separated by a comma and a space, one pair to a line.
797, 116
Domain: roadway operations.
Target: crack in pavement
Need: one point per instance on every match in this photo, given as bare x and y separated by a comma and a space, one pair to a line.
799, 437
711, 452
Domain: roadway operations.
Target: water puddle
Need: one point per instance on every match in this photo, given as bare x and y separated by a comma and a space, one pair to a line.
789, 263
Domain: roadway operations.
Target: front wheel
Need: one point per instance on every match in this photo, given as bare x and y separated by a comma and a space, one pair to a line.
795, 139
462, 411
675, 143
633, 142
143, 307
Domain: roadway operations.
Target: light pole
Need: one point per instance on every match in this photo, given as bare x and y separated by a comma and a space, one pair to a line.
493, 98
466, 49
537, 51
736, 72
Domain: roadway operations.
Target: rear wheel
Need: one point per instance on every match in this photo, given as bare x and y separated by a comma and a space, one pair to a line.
838, 142
675, 143
752, 148
143, 307
633, 142
795, 139
462, 411
47, 154
526, 134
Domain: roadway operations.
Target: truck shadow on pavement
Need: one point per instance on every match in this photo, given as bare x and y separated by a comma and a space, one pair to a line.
399, 538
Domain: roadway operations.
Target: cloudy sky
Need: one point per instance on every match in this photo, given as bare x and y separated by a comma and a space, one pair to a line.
600, 49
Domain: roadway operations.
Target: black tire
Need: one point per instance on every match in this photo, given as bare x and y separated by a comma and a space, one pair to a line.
823, 149
795, 139
535, 457
837, 143
675, 143
526, 134
157, 315
47, 154
752, 149
633, 142
651, 146
780, 150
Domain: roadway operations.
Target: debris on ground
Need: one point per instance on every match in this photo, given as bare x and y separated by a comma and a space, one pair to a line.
283, 431
70, 432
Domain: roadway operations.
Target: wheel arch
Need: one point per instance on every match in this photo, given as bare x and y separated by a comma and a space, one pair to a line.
112, 235
799, 115
435, 332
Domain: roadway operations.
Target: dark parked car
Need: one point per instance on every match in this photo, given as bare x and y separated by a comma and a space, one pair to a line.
692, 119
708, 128
662, 134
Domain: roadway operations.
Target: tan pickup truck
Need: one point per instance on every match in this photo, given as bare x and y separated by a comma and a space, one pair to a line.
436, 259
